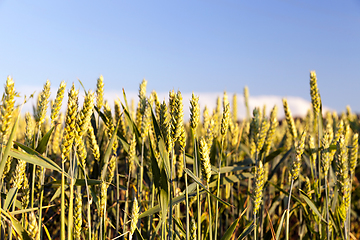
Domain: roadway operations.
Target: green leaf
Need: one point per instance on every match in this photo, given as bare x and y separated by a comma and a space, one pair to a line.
151, 211
230, 230
197, 180
278, 231
130, 122
176, 200
156, 127
82, 85
125, 99
8, 146
234, 168
31, 156
80, 182
311, 204
124, 143
278, 165
320, 122
108, 152
164, 157
47, 232
57, 192
138, 234
164, 195
273, 155
16, 225
10, 196
245, 149
231, 179
155, 168
248, 229
179, 227
285, 192
41, 148
30, 210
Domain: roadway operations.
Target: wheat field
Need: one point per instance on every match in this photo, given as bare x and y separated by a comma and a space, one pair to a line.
142, 172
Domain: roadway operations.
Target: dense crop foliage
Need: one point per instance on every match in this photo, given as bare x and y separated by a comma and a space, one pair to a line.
94, 172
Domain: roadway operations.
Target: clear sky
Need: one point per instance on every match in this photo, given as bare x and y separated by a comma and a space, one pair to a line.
200, 46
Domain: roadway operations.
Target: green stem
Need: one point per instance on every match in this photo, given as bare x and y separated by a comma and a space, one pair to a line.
33, 186
126, 202
88, 204
170, 186
327, 207
42, 177
187, 203
218, 187
288, 210
255, 228
71, 207
62, 213
140, 183
210, 218
13, 209
349, 211
141, 171
197, 172
117, 200
152, 205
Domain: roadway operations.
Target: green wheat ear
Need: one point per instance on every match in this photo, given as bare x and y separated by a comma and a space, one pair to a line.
271, 132
84, 116
33, 228
258, 186
205, 159
146, 120
132, 152
134, 215
296, 164
70, 122
100, 92
194, 112
78, 215
6, 110
103, 197
289, 119
225, 119
342, 174
56, 106
354, 153
193, 230
262, 134
165, 126
246, 100
142, 96
234, 108
94, 147
42, 104
325, 153
314, 92
177, 115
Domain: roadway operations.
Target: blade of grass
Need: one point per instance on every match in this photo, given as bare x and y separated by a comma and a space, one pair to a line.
248, 229
22, 233
229, 232
10, 197
201, 185
8, 146
278, 231
31, 156
41, 148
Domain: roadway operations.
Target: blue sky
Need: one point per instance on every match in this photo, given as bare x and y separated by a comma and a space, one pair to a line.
200, 46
